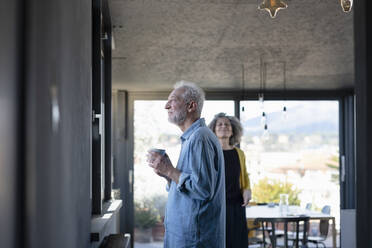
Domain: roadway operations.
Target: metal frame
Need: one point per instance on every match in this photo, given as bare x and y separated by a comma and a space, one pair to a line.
123, 161
237, 95
107, 48
347, 152
96, 105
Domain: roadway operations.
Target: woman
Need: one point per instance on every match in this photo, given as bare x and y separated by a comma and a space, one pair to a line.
238, 192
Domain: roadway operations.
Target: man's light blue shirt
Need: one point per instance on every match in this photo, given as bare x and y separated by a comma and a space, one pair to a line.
195, 213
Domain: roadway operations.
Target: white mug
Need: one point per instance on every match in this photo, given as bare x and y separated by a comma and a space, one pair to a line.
160, 151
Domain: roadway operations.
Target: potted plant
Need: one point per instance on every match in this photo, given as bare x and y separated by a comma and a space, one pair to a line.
145, 218
159, 202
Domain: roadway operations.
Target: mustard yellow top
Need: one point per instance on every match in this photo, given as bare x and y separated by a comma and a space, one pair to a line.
244, 179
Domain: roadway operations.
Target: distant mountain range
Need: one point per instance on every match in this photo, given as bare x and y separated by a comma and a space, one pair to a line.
305, 119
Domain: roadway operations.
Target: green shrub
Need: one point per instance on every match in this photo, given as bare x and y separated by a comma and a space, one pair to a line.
269, 190
145, 216
158, 202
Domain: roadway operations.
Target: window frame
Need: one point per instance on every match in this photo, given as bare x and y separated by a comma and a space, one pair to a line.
101, 170
236, 96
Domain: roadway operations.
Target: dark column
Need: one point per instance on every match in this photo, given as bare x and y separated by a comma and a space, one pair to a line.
363, 90
58, 123
11, 125
123, 157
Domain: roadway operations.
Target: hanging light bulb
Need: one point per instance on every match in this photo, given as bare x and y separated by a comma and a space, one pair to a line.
263, 119
284, 89
272, 6
285, 115
261, 100
265, 134
243, 84
346, 5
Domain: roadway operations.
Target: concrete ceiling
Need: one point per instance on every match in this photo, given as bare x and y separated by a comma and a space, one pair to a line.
216, 42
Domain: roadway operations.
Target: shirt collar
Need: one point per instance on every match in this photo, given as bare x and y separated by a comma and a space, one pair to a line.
199, 123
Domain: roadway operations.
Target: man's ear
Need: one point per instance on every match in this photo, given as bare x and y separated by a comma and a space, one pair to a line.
191, 107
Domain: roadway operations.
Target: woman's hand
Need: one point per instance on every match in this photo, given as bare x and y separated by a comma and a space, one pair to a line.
247, 196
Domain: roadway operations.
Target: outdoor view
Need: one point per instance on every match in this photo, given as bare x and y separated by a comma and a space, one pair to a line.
298, 155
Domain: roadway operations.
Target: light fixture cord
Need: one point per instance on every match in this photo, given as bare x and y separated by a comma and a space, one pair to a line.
261, 75
264, 77
243, 81
284, 79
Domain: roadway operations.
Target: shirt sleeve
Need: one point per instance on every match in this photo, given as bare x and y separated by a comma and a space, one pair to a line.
199, 182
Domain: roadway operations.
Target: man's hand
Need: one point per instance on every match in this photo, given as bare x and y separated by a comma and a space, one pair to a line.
165, 177
163, 166
247, 195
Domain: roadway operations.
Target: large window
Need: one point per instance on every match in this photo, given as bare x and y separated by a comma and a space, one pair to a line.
300, 149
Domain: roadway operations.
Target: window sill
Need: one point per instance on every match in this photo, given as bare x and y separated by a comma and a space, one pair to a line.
107, 223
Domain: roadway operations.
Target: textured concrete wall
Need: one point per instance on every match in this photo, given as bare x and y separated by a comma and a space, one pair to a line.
58, 123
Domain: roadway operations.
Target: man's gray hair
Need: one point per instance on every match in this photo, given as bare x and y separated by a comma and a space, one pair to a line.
192, 93
237, 129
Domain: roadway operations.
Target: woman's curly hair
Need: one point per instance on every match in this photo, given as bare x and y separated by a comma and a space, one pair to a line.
237, 129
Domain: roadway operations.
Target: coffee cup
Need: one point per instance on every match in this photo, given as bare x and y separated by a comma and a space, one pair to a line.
160, 151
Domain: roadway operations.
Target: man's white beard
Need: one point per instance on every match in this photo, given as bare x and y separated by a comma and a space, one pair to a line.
178, 118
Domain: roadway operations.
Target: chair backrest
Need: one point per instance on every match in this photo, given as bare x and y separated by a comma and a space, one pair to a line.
323, 228
326, 209
268, 226
324, 224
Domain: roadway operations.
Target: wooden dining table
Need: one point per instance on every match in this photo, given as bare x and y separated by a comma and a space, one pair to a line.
266, 211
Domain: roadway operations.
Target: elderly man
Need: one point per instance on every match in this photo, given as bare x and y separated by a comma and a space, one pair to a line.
195, 213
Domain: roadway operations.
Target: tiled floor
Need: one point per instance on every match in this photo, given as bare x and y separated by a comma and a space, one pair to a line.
148, 245
160, 244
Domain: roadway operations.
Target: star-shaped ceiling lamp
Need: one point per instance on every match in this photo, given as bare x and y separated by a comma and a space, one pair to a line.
346, 5
273, 6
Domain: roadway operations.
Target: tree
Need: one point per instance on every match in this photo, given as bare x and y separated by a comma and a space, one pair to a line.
269, 190
334, 165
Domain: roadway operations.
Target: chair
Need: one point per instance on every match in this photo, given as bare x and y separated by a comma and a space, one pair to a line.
253, 228
268, 228
323, 229
116, 241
